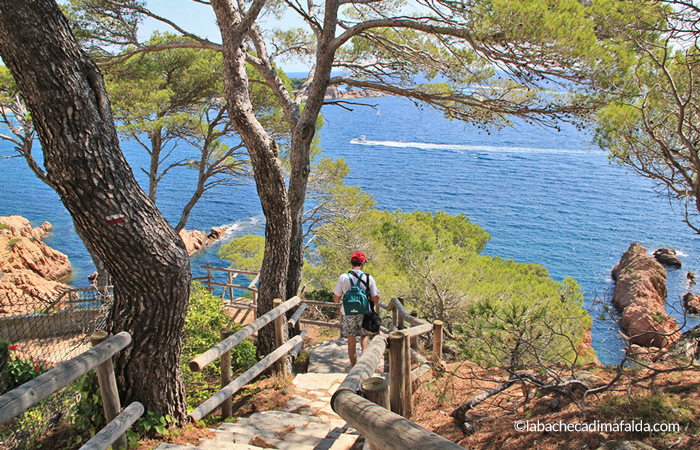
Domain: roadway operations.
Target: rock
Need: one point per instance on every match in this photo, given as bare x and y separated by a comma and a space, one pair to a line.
691, 279
625, 445
31, 271
648, 354
585, 348
193, 239
640, 293
589, 379
688, 346
217, 233
691, 303
667, 257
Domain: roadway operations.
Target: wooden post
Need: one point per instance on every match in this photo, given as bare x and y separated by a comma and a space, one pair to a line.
230, 289
210, 279
400, 324
279, 335
414, 340
376, 390
437, 341
407, 400
108, 388
227, 405
397, 377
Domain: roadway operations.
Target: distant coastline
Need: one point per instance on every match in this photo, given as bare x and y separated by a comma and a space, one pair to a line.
334, 93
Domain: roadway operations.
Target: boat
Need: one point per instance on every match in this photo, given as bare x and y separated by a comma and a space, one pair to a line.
360, 140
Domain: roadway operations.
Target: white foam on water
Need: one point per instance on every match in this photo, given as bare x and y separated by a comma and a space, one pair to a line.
464, 148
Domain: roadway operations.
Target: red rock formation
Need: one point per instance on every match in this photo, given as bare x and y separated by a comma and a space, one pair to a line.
193, 239
29, 269
585, 348
691, 303
640, 294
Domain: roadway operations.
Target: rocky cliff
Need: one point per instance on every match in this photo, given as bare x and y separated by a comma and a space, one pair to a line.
640, 293
29, 269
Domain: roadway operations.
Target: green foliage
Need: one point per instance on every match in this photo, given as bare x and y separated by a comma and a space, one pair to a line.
245, 253
87, 413
3, 226
509, 314
651, 408
16, 370
12, 242
151, 424
523, 321
205, 319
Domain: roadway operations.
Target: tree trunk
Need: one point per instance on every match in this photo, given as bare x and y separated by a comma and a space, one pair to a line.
267, 170
147, 261
156, 147
302, 137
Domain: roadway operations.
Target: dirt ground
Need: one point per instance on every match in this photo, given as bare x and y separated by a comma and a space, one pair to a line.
665, 398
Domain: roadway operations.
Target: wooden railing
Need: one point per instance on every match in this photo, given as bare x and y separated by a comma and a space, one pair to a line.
99, 357
223, 350
384, 421
229, 287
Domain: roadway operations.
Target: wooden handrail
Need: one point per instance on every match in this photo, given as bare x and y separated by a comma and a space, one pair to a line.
365, 366
297, 315
321, 323
419, 330
404, 313
215, 352
32, 392
228, 269
385, 429
217, 399
325, 304
254, 282
115, 428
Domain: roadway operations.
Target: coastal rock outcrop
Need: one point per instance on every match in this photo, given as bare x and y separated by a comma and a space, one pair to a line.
29, 269
217, 232
193, 239
640, 293
691, 303
668, 257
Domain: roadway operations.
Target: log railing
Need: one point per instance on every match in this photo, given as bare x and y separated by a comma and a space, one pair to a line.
384, 428
99, 357
229, 287
222, 350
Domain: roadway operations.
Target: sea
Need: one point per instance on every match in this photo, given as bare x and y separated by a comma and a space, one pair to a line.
547, 197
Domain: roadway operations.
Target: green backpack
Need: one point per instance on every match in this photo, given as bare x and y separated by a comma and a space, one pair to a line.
355, 300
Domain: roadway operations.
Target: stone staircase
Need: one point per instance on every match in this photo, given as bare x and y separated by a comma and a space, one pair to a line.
306, 423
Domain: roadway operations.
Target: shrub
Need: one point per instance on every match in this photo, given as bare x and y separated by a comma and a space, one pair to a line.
205, 319
16, 370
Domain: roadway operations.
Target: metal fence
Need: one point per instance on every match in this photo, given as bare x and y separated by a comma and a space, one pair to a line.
44, 332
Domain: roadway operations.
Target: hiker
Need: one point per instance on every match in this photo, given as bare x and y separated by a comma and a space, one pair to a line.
353, 315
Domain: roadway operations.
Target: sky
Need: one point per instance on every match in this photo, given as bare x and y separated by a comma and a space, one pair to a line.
199, 19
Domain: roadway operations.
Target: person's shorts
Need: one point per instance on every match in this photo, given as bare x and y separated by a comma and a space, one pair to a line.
352, 326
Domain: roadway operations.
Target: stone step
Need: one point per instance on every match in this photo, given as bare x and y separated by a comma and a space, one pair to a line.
207, 444
285, 430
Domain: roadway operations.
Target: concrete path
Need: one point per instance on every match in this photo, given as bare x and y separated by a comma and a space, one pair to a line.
306, 423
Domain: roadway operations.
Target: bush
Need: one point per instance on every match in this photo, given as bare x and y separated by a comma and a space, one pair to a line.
16, 370
205, 319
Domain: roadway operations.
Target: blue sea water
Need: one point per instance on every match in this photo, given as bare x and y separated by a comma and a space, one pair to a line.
544, 197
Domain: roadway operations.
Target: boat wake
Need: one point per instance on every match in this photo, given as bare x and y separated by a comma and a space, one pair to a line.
462, 148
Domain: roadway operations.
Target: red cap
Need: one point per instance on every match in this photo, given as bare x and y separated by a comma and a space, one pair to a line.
358, 256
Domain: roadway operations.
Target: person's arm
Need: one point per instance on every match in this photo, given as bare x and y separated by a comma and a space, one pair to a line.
375, 299
336, 298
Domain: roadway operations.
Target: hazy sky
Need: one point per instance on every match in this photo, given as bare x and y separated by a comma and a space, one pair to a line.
198, 19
